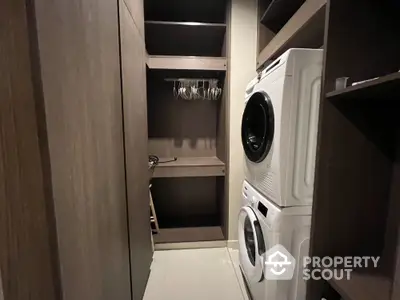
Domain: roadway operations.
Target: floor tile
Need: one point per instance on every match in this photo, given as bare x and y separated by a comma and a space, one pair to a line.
193, 274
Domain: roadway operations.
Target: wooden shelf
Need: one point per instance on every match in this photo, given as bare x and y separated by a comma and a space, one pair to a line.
184, 10
186, 63
189, 234
184, 38
363, 287
385, 87
279, 12
304, 30
190, 167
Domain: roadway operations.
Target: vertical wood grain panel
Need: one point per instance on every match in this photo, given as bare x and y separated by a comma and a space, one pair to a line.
79, 52
178, 127
391, 254
396, 281
133, 61
136, 10
366, 50
1, 287
26, 255
353, 140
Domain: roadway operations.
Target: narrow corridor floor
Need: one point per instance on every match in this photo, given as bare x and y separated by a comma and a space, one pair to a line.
195, 274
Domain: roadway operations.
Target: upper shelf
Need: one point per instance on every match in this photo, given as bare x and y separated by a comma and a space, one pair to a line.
363, 287
212, 11
304, 30
184, 38
385, 87
186, 63
278, 12
190, 167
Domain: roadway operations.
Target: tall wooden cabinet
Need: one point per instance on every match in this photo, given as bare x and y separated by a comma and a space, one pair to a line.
187, 40
74, 206
27, 255
133, 63
357, 195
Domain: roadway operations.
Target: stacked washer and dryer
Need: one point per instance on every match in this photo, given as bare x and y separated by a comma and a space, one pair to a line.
279, 136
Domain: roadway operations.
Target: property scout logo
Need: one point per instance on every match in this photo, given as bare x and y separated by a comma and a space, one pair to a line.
280, 265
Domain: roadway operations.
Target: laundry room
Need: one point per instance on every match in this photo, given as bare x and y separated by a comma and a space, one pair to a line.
202, 149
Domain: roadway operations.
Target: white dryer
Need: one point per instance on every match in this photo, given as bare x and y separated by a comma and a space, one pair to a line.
279, 127
263, 225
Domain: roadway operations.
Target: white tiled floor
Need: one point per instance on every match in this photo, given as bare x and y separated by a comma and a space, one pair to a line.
196, 274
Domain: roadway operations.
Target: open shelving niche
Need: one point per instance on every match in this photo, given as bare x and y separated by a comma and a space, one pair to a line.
189, 192
357, 193
275, 13
289, 24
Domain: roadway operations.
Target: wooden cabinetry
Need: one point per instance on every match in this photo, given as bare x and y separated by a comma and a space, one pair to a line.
356, 200
136, 10
134, 100
63, 175
186, 41
27, 252
289, 24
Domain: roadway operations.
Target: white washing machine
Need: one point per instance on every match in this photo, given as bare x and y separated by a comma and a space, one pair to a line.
263, 225
279, 127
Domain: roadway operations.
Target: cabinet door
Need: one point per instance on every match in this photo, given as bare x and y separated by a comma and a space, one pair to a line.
27, 254
81, 75
136, 10
133, 63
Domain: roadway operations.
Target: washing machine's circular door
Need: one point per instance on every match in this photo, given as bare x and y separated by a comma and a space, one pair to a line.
251, 245
258, 127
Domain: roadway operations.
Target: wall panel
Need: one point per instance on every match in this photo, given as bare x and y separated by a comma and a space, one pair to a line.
79, 54
25, 225
133, 59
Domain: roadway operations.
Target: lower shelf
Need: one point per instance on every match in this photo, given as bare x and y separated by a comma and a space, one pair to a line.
189, 234
363, 286
189, 167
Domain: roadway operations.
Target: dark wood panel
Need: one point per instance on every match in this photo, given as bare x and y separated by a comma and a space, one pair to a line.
79, 53
184, 38
349, 159
189, 167
178, 127
189, 234
396, 281
357, 136
1, 287
222, 148
279, 12
136, 153
363, 286
389, 254
212, 11
386, 87
304, 30
369, 48
27, 256
185, 202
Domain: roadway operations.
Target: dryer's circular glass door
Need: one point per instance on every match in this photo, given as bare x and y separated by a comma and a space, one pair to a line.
258, 127
251, 245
